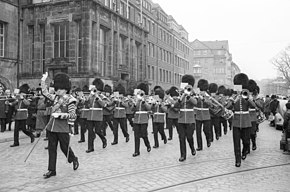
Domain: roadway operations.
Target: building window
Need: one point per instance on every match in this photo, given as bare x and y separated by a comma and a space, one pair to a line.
153, 73
163, 75
103, 52
79, 47
122, 6
160, 75
42, 39
148, 72
61, 41
114, 5
2, 39
107, 3
31, 46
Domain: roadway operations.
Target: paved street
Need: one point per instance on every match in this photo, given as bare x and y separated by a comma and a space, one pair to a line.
114, 168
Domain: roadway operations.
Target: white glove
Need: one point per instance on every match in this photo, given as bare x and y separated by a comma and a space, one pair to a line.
44, 76
55, 115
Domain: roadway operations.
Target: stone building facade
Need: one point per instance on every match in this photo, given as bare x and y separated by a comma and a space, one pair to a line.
8, 43
213, 61
86, 39
168, 48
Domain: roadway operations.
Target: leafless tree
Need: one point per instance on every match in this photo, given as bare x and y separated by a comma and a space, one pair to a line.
282, 63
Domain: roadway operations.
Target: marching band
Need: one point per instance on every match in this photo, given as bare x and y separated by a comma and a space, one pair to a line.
60, 111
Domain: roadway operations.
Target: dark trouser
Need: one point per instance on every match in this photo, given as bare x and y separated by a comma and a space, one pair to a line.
253, 133
123, 125
216, 125
185, 131
238, 134
158, 128
206, 129
21, 125
170, 124
3, 124
140, 131
130, 118
107, 121
230, 123
63, 139
76, 125
267, 114
224, 123
94, 127
84, 126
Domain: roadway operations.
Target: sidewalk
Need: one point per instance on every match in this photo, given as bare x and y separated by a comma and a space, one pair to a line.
7, 136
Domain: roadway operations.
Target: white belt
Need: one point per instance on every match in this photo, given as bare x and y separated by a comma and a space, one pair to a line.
141, 112
186, 109
21, 109
252, 110
202, 109
119, 108
96, 109
159, 113
241, 112
85, 109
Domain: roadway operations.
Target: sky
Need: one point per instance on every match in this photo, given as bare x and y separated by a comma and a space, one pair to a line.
257, 30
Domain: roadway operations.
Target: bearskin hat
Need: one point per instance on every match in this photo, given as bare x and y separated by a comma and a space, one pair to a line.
99, 84
228, 92
144, 87
61, 81
24, 89
85, 89
188, 79
107, 89
120, 89
157, 87
288, 105
241, 79
252, 85
221, 89
160, 92
212, 88
202, 85
173, 91
256, 91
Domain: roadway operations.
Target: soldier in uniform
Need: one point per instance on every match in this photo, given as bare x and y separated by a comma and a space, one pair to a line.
3, 112
120, 115
95, 125
241, 121
141, 118
202, 114
108, 110
159, 115
229, 105
215, 119
129, 111
186, 119
58, 129
173, 113
222, 100
10, 109
81, 109
21, 104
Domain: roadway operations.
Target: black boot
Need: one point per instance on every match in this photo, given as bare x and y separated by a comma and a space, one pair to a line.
49, 174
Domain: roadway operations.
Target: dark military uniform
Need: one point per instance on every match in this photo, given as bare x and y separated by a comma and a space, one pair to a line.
186, 124
158, 123
141, 118
203, 118
120, 118
21, 115
3, 113
94, 120
241, 127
